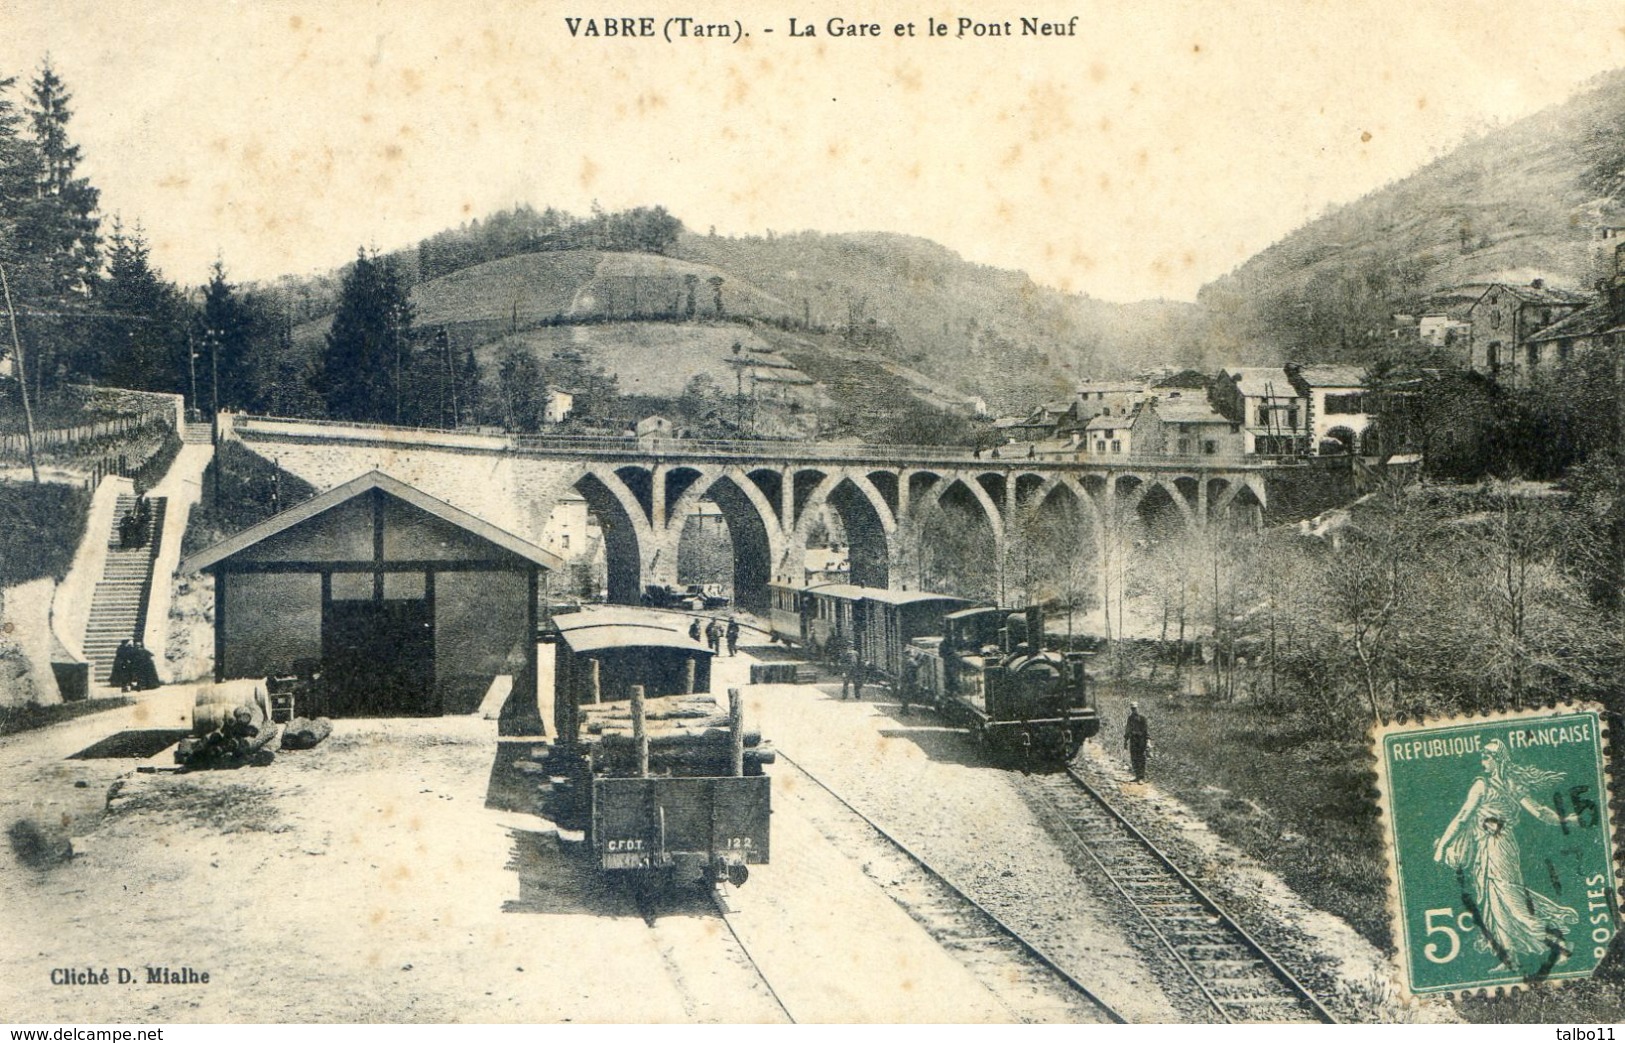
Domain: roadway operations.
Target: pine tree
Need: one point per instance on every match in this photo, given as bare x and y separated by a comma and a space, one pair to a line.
236, 335
59, 235
140, 340
74, 241
18, 165
368, 358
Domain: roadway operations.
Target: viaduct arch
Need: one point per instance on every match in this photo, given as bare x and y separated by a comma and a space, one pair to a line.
770, 495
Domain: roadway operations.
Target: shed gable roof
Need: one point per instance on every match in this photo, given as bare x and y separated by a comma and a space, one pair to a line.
360, 486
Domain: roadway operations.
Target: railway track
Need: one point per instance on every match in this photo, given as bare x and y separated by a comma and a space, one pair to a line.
1032, 984
1227, 969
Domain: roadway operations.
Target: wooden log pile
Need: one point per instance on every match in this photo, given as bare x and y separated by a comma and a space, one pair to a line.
304, 733
684, 735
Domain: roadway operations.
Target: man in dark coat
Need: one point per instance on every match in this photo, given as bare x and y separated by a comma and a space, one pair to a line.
733, 635
713, 635
694, 630
123, 674
852, 677
1137, 738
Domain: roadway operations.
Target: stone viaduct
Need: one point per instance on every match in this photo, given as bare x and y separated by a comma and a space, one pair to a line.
769, 493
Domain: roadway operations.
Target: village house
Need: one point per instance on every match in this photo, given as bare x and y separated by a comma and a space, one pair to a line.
1339, 419
1109, 436
1505, 321
1597, 326
559, 405
1442, 330
1184, 427
1107, 398
1263, 401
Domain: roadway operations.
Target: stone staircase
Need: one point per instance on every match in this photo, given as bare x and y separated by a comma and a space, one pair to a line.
197, 434
118, 607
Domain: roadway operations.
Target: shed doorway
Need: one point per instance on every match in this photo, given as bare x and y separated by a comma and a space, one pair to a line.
378, 658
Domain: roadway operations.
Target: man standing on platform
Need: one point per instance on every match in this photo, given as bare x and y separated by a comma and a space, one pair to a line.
1137, 737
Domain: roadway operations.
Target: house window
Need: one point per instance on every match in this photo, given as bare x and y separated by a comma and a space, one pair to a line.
1184, 446
1344, 405
1533, 351
1117, 446
1210, 447
1100, 447
564, 541
1263, 415
1564, 351
1292, 416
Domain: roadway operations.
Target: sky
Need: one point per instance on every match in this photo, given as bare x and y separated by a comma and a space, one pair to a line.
1158, 147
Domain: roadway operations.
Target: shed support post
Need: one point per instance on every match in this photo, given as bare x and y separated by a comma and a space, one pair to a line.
532, 660
219, 625
595, 684
688, 677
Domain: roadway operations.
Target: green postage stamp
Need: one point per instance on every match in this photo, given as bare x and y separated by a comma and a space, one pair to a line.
1501, 848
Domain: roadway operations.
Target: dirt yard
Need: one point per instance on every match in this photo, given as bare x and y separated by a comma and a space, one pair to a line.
365, 880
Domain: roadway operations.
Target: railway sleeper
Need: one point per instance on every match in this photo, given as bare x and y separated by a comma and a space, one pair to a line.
1199, 950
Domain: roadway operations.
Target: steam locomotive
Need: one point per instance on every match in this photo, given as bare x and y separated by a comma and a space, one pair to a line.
983, 668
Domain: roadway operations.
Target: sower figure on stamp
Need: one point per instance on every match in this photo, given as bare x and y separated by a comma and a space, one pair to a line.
1481, 845
1137, 737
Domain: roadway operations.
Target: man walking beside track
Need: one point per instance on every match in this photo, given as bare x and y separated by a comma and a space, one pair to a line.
733, 635
713, 635
1137, 737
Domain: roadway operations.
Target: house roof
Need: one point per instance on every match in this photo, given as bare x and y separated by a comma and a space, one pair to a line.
1546, 295
360, 486
1101, 423
1188, 411
1586, 322
1262, 381
1333, 376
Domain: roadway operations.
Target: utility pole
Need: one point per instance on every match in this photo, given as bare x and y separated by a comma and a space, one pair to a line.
214, 337
191, 366
22, 375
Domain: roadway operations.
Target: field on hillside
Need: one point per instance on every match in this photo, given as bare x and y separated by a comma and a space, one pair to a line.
649, 358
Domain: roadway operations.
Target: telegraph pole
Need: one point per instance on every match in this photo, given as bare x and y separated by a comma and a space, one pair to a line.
22, 376
191, 367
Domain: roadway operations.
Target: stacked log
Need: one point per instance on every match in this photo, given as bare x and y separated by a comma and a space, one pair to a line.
684, 735
304, 734
211, 708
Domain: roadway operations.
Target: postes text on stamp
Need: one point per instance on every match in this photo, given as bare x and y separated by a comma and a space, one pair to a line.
1500, 848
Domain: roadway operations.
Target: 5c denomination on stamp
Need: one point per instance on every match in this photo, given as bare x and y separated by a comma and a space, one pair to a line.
1500, 848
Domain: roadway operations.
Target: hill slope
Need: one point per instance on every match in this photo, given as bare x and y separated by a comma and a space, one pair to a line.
1523, 201
943, 327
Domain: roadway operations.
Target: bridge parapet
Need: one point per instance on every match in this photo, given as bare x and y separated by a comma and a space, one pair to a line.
754, 452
